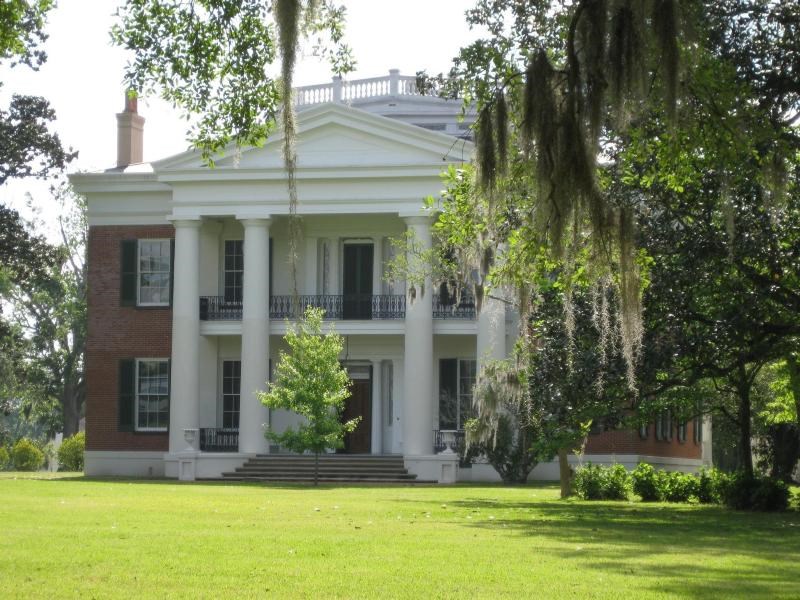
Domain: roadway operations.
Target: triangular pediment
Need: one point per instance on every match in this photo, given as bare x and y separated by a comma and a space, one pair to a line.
333, 135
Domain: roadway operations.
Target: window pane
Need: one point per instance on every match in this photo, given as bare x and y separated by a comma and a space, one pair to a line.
448, 396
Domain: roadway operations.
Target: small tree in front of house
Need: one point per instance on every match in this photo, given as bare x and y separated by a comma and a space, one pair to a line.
310, 381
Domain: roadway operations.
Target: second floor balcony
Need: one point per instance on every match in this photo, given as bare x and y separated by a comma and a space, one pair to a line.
336, 306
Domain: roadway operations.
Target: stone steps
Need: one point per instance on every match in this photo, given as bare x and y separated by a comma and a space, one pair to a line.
333, 468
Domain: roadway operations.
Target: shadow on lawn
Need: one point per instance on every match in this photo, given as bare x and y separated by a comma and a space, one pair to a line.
667, 546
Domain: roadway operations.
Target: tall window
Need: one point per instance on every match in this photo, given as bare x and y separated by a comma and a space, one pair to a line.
697, 430
153, 277
664, 426
234, 270
231, 390
456, 380
152, 394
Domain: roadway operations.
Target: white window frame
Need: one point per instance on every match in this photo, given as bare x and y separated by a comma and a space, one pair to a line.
225, 271
222, 390
139, 242
459, 417
136, 394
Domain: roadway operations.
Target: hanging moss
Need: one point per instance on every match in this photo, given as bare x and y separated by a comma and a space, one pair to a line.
287, 15
486, 154
501, 131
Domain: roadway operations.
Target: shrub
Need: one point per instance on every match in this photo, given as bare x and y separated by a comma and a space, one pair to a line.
588, 482
594, 482
615, 483
646, 482
4, 458
70, 453
26, 456
711, 486
676, 486
771, 495
747, 492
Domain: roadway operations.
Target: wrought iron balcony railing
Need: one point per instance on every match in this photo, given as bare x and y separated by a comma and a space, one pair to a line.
336, 307
216, 308
214, 439
449, 308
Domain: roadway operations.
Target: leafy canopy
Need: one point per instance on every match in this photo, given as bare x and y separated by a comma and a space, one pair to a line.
310, 381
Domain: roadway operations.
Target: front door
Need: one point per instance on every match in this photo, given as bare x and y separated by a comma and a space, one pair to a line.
357, 281
359, 404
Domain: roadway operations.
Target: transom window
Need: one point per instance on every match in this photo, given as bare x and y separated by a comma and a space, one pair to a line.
152, 394
456, 380
231, 392
153, 272
234, 270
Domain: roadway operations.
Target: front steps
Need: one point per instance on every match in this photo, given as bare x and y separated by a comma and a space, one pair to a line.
333, 468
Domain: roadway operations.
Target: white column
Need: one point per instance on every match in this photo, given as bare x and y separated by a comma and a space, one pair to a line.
491, 331
310, 265
333, 266
377, 266
255, 336
184, 411
418, 390
377, 408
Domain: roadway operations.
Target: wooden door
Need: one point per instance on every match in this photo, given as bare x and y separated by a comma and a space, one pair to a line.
357, 281
359, 405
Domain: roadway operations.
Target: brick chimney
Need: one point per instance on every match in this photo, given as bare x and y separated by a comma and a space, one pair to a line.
130, 134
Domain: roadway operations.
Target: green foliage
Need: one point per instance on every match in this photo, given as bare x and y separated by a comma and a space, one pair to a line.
310, 381
504, 429
31, 148
645, 482
21, 30
4, 458
588, 482
710, 486
25, 456
210, 59
597, 482
43, 350
70, 453
744, 491
675, 486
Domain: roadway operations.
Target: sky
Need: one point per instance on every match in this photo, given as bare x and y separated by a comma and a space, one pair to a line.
82, 78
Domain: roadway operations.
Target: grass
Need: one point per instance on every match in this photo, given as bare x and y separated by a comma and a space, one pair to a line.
68, 536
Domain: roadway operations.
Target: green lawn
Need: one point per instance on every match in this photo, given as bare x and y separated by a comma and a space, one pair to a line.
65, 537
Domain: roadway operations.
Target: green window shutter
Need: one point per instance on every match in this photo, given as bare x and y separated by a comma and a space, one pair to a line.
127, 394
127, 273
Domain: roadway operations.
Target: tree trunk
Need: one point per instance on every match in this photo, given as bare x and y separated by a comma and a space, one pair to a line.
316, 468
564, 473
743, 385
70, 410
793, 366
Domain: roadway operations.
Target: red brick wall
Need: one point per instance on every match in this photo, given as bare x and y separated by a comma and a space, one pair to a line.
629, 442
116, 332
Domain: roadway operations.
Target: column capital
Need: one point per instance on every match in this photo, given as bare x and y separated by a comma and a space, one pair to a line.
417, 219
248, 221
184, 223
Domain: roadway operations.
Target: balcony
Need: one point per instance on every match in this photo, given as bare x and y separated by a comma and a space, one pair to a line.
336, 307
339, 307
446, 307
